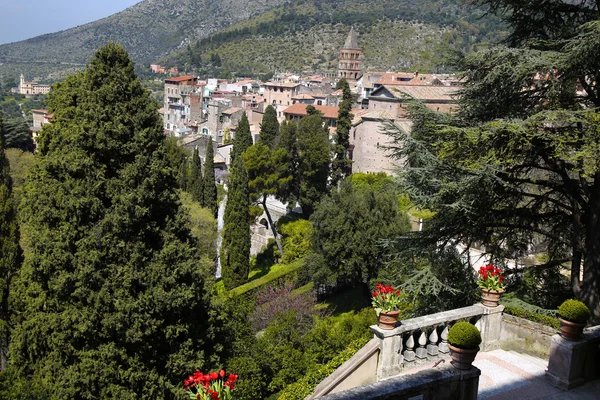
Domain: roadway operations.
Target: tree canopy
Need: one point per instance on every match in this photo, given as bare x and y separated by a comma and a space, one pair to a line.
518, 169
110, 297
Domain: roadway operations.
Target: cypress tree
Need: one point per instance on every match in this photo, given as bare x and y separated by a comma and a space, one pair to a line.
10, 252
235, 250
341, 166
243, 138
269, 128
110, 297
209, 186
195, 178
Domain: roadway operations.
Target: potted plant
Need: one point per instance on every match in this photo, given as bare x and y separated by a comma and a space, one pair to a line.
491, 283
386, 301
572, 315
463, 340
211, 386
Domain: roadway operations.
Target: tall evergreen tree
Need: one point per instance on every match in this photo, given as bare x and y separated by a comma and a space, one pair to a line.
210, 188
235, 249
314, 159
288, 142
341, 166
10, 251
110, 297
269, 128
243, 138
195, 178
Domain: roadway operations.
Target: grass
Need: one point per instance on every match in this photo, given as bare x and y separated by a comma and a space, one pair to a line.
275, 272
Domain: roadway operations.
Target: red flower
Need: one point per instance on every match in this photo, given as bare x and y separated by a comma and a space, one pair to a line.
214, 376
222, 373
232, 378
500, 279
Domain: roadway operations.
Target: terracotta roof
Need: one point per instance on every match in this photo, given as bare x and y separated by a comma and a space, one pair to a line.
181, 78
439, 93
231, 110
40, 111
279, 84
330, 112
303, 96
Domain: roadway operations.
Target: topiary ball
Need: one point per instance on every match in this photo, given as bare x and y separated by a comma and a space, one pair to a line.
464, 335
574, 311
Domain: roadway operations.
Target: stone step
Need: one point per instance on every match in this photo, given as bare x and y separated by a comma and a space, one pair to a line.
523, 363
538, 361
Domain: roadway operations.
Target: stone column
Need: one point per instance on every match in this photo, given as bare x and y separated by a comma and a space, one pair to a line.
490, 326
390, 352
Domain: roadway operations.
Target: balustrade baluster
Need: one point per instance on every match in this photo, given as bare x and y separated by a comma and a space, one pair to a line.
443, 347
432, 347
421, 350
409, 354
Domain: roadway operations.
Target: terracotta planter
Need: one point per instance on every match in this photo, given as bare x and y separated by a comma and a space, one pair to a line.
387, 320
570, 330
462, 358
490, 298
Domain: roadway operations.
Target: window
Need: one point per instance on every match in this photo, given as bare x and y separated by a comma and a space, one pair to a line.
319, 102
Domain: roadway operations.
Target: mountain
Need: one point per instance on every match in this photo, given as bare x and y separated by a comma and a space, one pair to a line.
147, 30
246, 37
306, 35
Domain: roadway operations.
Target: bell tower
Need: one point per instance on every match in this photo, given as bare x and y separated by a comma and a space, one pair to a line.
351, 55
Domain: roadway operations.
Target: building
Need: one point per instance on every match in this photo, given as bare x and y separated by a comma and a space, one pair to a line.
179, 107
40, 118
298, 111
280, 95
350, 63
367, 141
31, 88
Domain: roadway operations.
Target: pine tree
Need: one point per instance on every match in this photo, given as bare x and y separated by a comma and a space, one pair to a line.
210, 188
341, 167
195, 178
110, 297
269, 128
235, 250
243, 138
10, 251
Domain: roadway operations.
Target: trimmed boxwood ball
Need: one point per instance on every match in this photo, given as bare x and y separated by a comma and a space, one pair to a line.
574, 311
464, 335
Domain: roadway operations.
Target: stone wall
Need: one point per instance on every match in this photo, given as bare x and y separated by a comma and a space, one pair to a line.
442, 383
525, 336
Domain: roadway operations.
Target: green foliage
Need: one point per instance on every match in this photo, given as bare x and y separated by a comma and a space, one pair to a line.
521, 309
277, 272
235, 250
269, 128
110, 298
20, 162
314, 159
17, 134
341, 167
209, 186
194, 184
202, 225
574, 311
243, 138
546, 288
464, 335
348, 226
296, 239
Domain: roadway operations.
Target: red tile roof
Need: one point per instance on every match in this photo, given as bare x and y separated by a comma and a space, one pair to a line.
329, 112
181, 78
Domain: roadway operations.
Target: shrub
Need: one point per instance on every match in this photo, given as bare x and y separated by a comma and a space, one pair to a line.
543, 319
574, 311
464, 335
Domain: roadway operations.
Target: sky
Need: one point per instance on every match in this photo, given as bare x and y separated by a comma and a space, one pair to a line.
24, 19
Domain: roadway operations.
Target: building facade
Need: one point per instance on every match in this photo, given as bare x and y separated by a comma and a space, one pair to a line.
31, 88
350, 63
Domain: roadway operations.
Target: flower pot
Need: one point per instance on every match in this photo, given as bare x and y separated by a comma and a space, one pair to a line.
570, 330
462, 358
490, 298
387, 320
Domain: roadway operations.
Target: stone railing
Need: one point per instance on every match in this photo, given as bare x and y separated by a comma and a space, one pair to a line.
423, 340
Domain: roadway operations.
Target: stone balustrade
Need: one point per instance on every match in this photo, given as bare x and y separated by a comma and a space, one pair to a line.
418, 341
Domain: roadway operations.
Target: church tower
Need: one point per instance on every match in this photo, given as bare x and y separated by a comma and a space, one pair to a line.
351, 56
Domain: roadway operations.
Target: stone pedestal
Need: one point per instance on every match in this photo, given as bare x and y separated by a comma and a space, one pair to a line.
565, 367
490, 326
572, 363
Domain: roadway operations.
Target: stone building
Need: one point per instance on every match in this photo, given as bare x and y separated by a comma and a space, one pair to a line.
184, 102
31, 88
351, 56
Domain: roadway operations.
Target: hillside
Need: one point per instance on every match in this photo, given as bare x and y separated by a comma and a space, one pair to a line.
147, 30
306, 35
